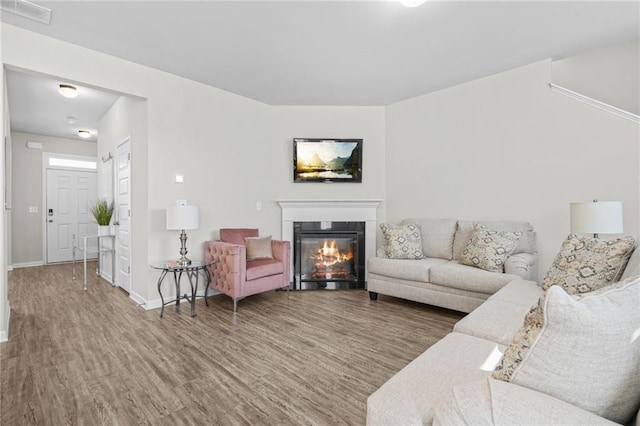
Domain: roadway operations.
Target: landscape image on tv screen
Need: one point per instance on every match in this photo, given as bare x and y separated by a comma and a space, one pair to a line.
328, 160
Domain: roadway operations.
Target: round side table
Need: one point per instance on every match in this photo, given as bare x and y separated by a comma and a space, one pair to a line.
192, 271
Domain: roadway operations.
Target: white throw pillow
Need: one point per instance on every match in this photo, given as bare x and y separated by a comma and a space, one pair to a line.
584, 350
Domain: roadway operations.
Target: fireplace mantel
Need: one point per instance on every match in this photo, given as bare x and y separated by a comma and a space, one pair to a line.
332, 211
330, 204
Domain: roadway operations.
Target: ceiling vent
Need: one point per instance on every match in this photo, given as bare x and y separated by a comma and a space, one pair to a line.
27, 10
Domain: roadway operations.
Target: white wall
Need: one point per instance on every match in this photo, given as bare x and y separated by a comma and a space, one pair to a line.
127, 118
236, 152
507, 147
610, 75
232, 151
330, 122
26, 241
5, 130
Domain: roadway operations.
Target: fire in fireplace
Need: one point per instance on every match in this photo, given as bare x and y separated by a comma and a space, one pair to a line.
328, 255
330, 263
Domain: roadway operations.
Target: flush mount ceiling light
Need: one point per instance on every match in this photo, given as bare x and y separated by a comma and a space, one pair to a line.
412, 3
84, 134
68, 91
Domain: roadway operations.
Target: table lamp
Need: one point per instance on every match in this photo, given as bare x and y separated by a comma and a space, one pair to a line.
183, 218
596, 217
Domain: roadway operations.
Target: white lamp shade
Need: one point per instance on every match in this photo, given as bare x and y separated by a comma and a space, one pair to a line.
412, 3
183, 217
601, 217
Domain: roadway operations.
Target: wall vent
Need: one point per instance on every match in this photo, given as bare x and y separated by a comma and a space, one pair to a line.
27, 9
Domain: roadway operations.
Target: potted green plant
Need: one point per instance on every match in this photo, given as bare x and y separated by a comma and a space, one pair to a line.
102, 212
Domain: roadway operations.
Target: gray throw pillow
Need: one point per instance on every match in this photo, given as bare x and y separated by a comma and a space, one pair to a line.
585, 264
488, 249
258, 247
402, 241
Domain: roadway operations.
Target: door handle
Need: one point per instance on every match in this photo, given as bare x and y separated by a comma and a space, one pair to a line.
116, 223
50, 220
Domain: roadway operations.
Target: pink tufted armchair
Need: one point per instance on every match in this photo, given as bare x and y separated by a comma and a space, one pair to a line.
237, 277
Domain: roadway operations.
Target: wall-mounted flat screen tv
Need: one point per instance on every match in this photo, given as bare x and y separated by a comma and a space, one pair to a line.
327, 160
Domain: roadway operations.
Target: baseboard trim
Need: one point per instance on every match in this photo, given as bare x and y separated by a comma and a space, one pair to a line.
157, 303
137, 298
27, 264
107, 278
4, 334
153, 304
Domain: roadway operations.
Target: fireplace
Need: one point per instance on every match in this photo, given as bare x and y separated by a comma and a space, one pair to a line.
335, 211
328, 255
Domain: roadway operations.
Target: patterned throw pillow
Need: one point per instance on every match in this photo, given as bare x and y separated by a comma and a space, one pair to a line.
258, 247
488, 249
582, 349
402, 241
585, 264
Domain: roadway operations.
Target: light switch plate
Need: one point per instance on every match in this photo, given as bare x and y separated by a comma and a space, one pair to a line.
179, 179
181, 202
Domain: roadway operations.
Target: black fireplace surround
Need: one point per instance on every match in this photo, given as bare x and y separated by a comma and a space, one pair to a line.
328, 255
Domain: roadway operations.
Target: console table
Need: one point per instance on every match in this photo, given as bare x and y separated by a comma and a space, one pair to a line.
84, 238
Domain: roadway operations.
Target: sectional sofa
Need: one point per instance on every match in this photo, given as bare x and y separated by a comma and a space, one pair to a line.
454, 382
439, 278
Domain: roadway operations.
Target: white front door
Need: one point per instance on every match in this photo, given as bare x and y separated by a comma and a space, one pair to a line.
123, 218
69, 195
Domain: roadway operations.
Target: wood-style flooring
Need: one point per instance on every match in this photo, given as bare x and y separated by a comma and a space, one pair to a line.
93, 357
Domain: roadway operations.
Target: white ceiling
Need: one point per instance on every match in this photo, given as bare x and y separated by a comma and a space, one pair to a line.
35, 106
337, 52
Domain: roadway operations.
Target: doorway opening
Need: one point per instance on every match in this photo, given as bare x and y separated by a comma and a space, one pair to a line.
71, 187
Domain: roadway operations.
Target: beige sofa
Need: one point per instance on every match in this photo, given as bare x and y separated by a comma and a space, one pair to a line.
451, 384
439, 279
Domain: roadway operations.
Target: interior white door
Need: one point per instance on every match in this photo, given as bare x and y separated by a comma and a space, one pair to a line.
69, 194
123, 219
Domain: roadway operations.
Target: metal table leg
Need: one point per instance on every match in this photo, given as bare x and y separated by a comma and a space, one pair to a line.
194, 290
99, 255
73, 258
206, 288
176, 279
162, 275
113, 261
84, 265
